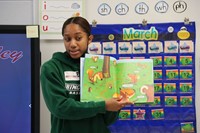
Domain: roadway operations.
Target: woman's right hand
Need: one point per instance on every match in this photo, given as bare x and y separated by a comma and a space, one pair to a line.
114, 104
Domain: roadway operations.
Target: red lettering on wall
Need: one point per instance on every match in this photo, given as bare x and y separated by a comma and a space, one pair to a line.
45, 28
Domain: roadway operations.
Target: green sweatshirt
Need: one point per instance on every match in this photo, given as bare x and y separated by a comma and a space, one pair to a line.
61, 91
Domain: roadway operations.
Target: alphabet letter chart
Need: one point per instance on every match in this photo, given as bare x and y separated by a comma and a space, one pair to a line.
53, 13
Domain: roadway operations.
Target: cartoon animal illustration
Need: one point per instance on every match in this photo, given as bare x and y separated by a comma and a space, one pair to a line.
140, 65
115, 62
95, 58
133, 77
149, 91
125, 94
93, 77
110, 86
89, 89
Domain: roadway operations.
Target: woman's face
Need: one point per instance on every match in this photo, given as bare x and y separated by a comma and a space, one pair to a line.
76, 40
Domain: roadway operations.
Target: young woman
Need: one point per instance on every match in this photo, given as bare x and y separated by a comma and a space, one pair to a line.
61, 86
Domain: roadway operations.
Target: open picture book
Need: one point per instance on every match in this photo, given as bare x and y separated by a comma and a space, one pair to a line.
104, 77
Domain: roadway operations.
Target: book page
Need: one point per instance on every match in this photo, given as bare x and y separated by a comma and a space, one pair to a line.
135, 79
82, 60
98, 78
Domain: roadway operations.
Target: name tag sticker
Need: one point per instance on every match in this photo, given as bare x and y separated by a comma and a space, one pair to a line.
71, 76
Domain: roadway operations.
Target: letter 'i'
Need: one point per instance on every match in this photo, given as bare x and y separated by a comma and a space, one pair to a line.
45, 5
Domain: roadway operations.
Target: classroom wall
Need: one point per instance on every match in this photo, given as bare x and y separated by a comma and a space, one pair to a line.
27, 12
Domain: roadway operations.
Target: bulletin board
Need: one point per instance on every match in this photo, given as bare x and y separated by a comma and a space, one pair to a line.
172, 48
19, 75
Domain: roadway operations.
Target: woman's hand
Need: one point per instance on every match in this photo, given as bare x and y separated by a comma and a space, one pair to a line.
114, 104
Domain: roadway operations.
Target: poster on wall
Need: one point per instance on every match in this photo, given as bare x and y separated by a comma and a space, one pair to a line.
53, 13
172, 48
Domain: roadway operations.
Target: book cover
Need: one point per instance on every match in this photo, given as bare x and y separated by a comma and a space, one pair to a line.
104, 77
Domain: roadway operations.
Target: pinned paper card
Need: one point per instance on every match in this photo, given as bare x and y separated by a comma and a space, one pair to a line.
94, 48
170, 61
187, 127
186, 101
186, 46
186, 61
139, 47
32, 31
158, 74
155, 47
124, 48
170, 101
125, 115
157, 88
157, 114
169, 87
157, 61
109, 48
157, 102
172, 74
171, 47
186, 87
186, 74
139, 114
